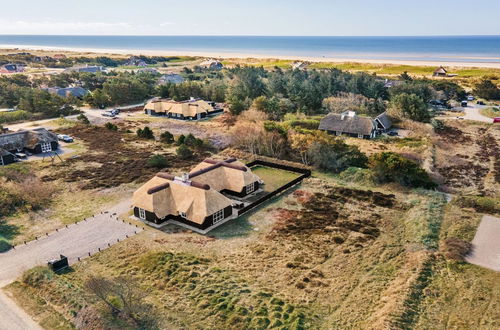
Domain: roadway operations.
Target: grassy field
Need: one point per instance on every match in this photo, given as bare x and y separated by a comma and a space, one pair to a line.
491, 112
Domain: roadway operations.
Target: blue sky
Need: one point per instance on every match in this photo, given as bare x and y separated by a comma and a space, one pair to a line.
256, 17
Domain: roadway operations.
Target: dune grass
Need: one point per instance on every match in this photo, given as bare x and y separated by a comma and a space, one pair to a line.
491, 112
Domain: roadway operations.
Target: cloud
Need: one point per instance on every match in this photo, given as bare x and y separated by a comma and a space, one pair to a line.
167, 23
63, 27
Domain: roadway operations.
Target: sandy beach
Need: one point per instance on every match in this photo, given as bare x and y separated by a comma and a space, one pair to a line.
473, 62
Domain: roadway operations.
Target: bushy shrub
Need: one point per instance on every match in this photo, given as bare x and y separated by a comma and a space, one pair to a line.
336, 156
180, 139
479, 203
4, 246
13, 116
36, 276
167, 137
83, 119
392, 167
184, 152
111, 126
145, 133
410, 106
488, 90
157, 161
192, 141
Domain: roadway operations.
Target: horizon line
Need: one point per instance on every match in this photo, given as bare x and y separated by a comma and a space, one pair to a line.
250, 35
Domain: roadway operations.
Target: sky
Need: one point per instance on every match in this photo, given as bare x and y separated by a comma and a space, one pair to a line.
255, 17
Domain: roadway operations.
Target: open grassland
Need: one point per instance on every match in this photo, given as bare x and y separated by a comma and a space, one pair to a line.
491, 112
274, 178
324, 256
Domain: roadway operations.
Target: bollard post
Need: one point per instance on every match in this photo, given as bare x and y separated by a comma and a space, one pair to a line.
109, 244
47, 234
99, 249
57, 230
89, 254
78, 258
24, 242
117, 239
126, 236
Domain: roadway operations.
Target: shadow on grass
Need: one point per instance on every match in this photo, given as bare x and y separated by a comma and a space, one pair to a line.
7, 233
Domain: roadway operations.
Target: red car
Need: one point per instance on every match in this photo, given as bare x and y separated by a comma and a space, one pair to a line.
496, 120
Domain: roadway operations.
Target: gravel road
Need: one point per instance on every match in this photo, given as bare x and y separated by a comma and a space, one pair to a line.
75, 241
486, 244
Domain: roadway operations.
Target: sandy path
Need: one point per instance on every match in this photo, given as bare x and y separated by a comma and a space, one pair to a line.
486, 244
75, 241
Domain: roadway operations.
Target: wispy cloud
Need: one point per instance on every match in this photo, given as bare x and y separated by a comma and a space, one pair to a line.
166, 24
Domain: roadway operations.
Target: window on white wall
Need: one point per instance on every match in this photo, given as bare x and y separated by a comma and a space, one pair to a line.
142, 214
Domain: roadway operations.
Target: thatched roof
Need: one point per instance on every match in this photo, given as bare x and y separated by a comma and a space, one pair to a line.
69, 91
440, 70
384, 120
167, 195
227, 174
347, 123
189, 108
3, 152
26, 139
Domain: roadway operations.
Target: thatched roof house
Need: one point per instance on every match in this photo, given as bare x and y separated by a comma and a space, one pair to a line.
442, 72
350, 124
6, 157
192, 109
35, 141
171, 78
78, 92
200, 199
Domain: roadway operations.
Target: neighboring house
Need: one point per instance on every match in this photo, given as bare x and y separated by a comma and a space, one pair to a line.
170, 78
299, 65
198, 199
78, 92
383, 122
36, 141
59, 56
6, 157
391, 83
148, 70
135, 61
440, 72
212, 64
350, 124
42, 58
11, 68
88, 68
192, 109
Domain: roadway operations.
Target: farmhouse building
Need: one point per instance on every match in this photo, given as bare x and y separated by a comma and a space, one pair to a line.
192, 109
88, 68
35, 141
350, 124
201, 199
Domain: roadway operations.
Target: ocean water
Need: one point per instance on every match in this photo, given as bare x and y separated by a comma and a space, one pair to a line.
435, 48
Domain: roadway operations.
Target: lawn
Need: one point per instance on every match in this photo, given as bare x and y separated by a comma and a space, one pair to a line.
274, 178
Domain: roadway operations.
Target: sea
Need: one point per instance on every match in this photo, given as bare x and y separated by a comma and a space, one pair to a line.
417, 48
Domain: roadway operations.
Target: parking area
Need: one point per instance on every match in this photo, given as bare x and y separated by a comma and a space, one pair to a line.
74, 241
486, 244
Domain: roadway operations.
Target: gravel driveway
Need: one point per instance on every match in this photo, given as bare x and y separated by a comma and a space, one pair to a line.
486, 244
77, 240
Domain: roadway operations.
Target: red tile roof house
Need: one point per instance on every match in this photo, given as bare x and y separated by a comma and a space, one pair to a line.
200, 200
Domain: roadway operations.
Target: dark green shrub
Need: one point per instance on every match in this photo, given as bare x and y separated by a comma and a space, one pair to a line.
184, 152
180, 139
111, 126
83, 119
145, 133
392, 167
167, 137
157, 161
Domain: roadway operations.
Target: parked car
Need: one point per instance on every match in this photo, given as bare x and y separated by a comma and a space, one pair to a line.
20, 155
463, 104
64, 138
496, 120
481, 103
108, 114
392, 133
470, 98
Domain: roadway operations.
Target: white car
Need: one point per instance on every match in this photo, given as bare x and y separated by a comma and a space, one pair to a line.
64, 137
470, 98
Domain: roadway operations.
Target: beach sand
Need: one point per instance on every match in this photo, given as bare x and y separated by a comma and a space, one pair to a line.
220, 55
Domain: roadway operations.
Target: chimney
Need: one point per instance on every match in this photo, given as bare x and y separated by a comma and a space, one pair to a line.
185, 177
